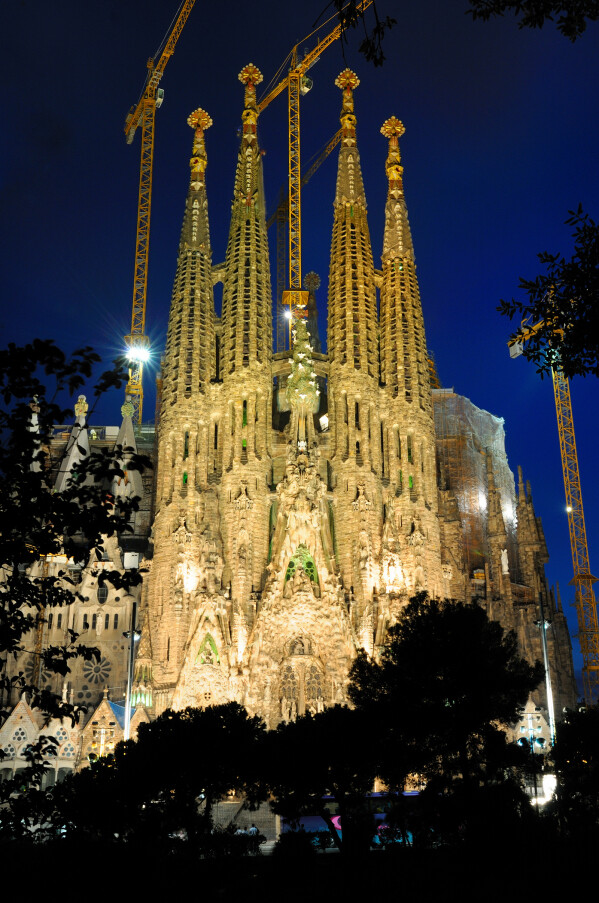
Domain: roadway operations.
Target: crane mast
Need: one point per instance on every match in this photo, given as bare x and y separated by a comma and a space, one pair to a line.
281, 217
297, 84
586, 605
143, 114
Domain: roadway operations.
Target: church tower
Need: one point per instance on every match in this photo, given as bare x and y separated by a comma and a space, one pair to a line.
356, 456
409, 431
285, 543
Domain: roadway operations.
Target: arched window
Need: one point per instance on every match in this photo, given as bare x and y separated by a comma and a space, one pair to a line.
289, 684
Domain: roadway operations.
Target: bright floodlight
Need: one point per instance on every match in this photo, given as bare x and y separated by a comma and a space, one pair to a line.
138, 353
287, 314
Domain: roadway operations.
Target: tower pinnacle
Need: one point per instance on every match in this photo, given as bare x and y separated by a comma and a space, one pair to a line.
348, 81
200, 121
393, 129
250, 76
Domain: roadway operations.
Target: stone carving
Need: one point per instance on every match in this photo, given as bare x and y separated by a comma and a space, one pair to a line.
242, 501
361, 502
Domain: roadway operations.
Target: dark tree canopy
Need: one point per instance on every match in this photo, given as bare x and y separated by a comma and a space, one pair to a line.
564, 299
570, 16
372, 26
328, 754
576, 759
447, 678
167, 781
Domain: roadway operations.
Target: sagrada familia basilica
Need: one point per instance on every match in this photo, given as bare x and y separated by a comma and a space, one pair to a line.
300, 497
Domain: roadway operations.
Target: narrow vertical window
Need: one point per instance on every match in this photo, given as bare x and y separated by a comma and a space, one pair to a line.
94, 621
50, 619
116, 622
106, 621
244, 421
185, 478
59, 621
216, 436
186, 444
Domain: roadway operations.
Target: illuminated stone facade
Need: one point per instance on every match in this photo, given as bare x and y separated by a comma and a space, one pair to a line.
300, 500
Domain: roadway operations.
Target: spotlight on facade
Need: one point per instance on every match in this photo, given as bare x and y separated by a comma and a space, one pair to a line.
324, 422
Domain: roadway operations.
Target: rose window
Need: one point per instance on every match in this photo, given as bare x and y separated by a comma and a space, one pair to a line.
97, 671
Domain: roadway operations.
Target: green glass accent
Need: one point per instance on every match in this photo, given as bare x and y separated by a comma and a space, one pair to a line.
244, 443
302, 557
332, 529
411, 482
185, 478
208, 654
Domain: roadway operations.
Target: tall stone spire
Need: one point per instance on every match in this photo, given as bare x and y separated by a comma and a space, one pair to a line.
409, 447
189, 363
353, 385
404, 366
352, 292
247, 314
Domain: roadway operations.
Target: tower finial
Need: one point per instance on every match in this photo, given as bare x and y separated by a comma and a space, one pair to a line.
393, 129
250, 76
348, 81
200, 121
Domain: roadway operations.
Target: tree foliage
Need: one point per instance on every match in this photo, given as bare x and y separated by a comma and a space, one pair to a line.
37, 523
447, 682
164, 784
372, 26
570, 16
576, 759
330, 754
564, 300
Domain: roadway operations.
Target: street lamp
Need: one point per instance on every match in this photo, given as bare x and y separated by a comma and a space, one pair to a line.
133, 636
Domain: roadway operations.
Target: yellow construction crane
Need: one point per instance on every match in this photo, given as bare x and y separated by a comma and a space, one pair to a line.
144, 114
297, 83
586, 606
281, 217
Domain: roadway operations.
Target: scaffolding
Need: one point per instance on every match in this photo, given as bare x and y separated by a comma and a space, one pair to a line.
466, 436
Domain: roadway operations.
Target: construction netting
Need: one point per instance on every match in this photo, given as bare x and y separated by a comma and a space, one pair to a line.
470, 443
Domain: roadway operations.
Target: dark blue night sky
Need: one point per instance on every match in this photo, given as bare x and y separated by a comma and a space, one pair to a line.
501, 141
